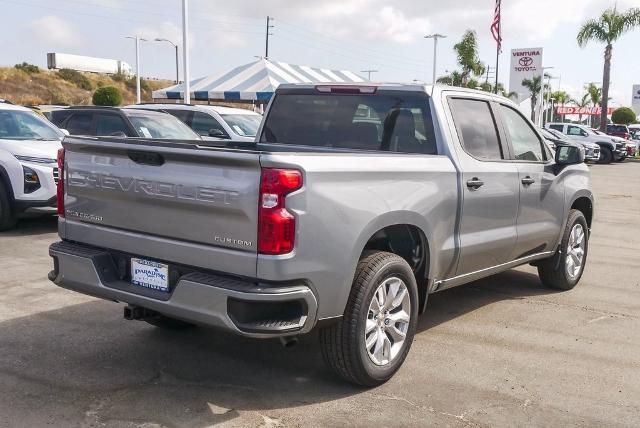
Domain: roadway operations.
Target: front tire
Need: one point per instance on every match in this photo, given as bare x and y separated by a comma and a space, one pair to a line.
565, 268
371, 341
7, 219
606, 156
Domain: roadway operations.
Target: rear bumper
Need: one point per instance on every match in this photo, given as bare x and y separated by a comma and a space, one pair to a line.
243, 307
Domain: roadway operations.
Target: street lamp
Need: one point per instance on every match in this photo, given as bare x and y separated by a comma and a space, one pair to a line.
137, 39
175, 45
435, 38
185, 51
541, 118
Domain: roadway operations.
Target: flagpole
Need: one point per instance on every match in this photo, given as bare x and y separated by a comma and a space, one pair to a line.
495, 89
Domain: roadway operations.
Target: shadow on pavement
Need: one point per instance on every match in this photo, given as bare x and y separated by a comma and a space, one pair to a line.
94, 362
33, 226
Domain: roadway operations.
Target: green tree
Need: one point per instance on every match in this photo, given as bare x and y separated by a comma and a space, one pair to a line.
623, 116
607, 29
534, 85
28, 68
107, 96
453, 79
467, 57
560, 98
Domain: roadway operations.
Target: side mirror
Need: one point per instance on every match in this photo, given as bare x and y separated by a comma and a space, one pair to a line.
217, 133
569, 155
65, 132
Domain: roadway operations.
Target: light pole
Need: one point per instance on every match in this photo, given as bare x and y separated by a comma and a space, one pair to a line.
435, 37
137, 39
368, 73
175, 45
185, 50
541, 115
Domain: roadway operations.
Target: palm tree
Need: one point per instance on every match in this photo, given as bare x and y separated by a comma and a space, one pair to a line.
453, 79
534, 85
467, 56
607, 29
560, 98
594, 93
584, 102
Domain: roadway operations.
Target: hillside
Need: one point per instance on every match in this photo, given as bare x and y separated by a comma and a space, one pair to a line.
26, 87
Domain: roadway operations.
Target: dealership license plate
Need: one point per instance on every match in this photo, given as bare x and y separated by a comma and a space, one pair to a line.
148, 274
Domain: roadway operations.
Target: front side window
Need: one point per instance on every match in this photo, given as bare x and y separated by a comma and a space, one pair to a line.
557, 127
575, 130
476, 128
525, 142
25, 125
111, 125
385, 121
203, 123
80, 124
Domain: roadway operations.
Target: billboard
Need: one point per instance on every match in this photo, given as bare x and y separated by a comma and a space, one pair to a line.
635, 99
582, 111
525, 64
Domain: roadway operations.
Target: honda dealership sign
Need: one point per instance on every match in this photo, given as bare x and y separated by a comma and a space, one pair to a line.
635, 100
525, 64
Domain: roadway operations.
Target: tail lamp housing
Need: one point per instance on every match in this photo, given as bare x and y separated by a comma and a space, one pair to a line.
60, 184
276, 224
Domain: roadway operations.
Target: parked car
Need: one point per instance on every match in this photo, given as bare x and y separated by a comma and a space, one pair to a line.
328, 221
629, 146
28, 168
557, 138
213, 122
621, 131
609, 149
121, 122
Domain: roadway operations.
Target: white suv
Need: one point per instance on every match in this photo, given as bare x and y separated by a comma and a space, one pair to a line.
610, 150
28, 168
213, 122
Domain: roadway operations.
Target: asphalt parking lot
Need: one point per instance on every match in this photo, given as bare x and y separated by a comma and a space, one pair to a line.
499, 352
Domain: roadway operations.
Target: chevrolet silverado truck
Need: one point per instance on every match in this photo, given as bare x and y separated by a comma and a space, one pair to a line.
353, 204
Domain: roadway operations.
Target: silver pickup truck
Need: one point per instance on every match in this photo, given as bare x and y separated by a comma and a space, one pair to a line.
352, 206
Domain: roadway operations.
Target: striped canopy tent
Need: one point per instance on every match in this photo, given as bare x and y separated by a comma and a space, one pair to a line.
255, 82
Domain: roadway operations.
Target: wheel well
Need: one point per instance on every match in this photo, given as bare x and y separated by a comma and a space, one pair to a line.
584, 205
4, 179
410, 243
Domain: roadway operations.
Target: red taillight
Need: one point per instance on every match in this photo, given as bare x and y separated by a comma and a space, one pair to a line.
60, 184
276, 225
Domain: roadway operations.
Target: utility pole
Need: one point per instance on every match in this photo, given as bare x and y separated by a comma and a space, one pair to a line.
368, 73
185, 50
137, 39
266, 46
175, 45
435, 38
542, 107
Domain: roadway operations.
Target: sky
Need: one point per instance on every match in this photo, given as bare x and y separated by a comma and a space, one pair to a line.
355, 35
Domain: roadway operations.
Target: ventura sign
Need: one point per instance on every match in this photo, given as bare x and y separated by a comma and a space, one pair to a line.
525, 64
584, 111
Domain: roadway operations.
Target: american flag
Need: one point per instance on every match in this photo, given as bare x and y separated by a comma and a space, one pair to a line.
495, 26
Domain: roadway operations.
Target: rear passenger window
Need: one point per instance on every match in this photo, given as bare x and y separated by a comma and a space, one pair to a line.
79, 124
476, 128
202, 123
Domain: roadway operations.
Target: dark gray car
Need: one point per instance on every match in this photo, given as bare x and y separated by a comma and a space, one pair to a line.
354, 204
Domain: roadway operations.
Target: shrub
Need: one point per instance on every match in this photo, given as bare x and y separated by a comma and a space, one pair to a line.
119, 77
75, 77
107, 96
28, 68
131, 84
623, 116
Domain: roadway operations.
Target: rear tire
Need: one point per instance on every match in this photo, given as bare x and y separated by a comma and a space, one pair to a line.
565, 268
167, 323
7, 219
369, 344
605, 155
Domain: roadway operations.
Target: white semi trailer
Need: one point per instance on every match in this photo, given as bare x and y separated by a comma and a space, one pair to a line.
58, 61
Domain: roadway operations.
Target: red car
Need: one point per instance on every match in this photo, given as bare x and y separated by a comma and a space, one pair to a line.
619, 131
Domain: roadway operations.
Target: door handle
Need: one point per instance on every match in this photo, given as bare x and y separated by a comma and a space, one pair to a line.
528, 181
475, 183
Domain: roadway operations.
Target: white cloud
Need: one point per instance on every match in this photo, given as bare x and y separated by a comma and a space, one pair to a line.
54, 30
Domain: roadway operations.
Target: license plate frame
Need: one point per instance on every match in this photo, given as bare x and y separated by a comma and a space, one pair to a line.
150, 274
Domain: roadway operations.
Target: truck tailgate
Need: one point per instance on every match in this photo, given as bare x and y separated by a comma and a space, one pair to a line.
164, 200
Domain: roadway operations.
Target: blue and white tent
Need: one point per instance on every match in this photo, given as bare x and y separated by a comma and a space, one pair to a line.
255, 81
